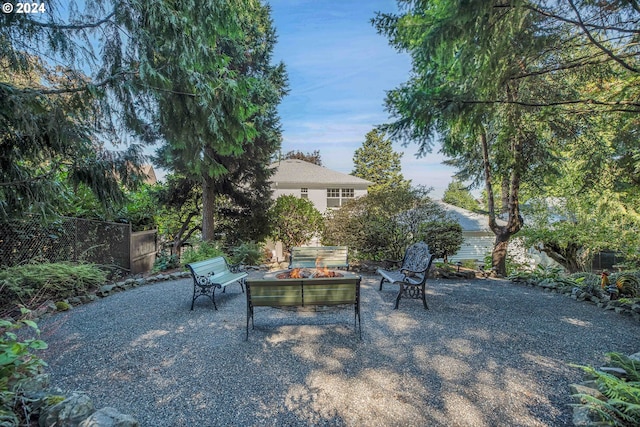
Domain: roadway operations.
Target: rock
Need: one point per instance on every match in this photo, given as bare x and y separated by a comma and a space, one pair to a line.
581, 416
109, 417
616, 372
620, 310
636, 308
576, 389
106, 290
635, 356
68, 413
139, 282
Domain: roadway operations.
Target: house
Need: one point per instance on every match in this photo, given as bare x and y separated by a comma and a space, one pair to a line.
479, 239
325, 188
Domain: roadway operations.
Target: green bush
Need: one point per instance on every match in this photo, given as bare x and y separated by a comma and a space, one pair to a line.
165, 261
204, 250
17, 366
31, 284
248, 253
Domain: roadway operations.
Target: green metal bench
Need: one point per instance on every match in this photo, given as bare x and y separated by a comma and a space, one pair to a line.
211, 274
302, 293
411, 277
319, 256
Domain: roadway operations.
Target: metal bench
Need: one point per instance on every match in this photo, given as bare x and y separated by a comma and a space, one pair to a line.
211, 274
319, 256
303, 292
411, 277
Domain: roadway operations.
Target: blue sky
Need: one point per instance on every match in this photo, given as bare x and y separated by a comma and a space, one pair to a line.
339, 71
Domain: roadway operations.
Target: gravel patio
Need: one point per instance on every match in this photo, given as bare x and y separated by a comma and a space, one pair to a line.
487, 353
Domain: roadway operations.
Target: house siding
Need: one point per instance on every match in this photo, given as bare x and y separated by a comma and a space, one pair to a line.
475, 246
317, 196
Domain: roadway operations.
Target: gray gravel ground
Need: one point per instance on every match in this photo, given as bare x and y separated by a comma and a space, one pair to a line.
487, 353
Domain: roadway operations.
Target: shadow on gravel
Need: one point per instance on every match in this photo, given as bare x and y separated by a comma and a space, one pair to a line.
487, 353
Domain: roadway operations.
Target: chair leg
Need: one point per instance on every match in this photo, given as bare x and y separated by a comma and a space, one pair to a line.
381, 281
399, 296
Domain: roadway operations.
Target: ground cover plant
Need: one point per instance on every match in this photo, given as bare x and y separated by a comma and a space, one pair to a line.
18, 367
621, 403
32, 284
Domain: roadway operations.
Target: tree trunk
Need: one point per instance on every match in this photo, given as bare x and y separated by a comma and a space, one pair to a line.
499, 254
504, 193
567, 257
208, 208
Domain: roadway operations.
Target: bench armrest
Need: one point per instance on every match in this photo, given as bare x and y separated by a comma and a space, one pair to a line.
235, 268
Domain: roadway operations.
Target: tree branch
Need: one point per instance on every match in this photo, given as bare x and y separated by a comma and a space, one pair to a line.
597, 43
72, 27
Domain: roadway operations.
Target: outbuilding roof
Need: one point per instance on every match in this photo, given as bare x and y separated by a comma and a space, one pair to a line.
469, 221
294, 172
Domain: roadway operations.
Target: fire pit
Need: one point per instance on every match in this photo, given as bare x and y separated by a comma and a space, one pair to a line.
302, 288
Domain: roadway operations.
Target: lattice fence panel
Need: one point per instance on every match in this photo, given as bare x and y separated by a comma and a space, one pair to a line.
66, 239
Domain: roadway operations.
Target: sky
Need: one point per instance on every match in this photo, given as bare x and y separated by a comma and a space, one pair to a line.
339, 71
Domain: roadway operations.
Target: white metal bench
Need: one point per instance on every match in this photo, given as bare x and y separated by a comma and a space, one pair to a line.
412, 274
211, 274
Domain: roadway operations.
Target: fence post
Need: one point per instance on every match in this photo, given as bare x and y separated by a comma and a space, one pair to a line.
130, 266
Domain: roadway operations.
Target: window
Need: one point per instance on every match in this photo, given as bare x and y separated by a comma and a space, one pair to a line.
348, 193
304, 193
333, 197
337, 196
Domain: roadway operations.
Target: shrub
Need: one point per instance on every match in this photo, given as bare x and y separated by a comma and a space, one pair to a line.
295, 221
165, 261
381, 224
17, 366
204, 250
443, 236
31, 284
248, 253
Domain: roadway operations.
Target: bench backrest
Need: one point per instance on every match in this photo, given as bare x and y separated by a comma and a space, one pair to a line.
209, 268
294, 292
321, 256
417, 258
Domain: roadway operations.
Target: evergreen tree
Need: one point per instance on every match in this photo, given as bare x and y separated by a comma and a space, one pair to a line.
458, 195
376, 161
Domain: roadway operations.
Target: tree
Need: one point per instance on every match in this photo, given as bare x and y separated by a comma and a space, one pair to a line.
313, 157
376, 161
506, 85
193, 75
295, 221
233, 112
458, 195
383, 223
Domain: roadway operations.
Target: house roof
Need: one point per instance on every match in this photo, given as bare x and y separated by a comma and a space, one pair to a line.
298, 172
469, 221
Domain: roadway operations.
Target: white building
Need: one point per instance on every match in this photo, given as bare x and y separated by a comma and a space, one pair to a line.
324, 187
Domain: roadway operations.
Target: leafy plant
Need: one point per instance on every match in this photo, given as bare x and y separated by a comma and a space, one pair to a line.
17, 366
31, 284
295, 220
204, 250
622, 407
165, 261
249, 253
